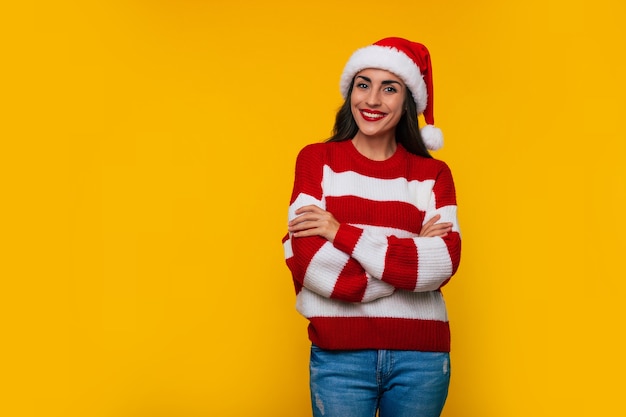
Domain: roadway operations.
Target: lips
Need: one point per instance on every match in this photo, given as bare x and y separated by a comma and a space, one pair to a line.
372, 115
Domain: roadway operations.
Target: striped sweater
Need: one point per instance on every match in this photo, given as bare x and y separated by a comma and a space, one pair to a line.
377, 286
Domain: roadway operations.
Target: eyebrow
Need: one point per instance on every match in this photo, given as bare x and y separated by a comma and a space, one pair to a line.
384, 82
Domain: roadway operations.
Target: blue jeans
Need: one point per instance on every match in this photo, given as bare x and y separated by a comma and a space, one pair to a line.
397, 383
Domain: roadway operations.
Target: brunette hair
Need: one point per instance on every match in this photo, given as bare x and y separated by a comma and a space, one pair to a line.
407, 130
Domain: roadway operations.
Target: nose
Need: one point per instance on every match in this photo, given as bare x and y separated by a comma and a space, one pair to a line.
373, 98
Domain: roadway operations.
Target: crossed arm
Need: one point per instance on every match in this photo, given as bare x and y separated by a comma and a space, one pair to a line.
313, 221
337, 272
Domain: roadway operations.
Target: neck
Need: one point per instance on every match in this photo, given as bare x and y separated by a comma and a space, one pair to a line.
375, 148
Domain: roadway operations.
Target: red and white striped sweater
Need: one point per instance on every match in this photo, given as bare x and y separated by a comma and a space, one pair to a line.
378, 285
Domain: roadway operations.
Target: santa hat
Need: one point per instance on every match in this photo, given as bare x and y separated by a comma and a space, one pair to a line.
411, 62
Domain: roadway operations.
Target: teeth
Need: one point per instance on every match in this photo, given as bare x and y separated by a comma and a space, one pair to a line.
373, 115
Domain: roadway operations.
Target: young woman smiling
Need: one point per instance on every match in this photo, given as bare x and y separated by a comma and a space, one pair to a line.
372, 237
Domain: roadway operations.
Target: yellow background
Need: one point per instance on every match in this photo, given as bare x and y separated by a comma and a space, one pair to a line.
146, 164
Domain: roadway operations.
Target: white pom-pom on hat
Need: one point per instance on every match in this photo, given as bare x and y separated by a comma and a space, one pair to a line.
411, 62
432, 137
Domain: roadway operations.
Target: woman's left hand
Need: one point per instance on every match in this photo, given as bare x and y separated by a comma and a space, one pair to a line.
314, 221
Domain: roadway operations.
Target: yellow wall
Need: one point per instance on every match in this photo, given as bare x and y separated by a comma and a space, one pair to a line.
147, 159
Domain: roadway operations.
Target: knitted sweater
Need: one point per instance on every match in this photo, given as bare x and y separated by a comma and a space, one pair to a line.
377, 286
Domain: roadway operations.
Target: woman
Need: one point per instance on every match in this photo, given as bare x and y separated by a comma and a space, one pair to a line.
373, 236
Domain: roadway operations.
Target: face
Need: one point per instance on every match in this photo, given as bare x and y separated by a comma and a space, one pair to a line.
377, 102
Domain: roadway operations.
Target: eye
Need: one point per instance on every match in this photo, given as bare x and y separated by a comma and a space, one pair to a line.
390, 89
361, 85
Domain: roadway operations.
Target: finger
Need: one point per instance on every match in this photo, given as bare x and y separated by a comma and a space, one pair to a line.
295, 221
308, 221
430, 224
304, 232
301, 224
307, 209
437, 226
439, 229
436, 232
432, 220
300, 233
305, 217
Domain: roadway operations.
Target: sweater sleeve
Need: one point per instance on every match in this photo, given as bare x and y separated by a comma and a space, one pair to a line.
410, 263
315, 263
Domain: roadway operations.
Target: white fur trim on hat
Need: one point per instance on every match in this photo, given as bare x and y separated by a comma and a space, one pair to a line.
388, 59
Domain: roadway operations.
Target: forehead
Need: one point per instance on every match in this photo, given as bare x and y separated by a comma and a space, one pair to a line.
379, 75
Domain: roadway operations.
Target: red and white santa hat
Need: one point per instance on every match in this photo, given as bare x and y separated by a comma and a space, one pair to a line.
411, 62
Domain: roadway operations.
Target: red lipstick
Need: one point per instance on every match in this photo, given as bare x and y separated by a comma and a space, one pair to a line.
372, 115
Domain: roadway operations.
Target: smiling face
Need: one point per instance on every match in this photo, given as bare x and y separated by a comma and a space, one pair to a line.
377, 103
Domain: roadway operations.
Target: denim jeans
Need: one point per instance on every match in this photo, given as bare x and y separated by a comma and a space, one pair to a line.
397, 383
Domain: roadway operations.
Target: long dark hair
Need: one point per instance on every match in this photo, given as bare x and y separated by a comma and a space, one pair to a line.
407, 130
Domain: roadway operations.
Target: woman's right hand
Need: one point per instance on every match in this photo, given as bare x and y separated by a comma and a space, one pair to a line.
314, 221
433, 229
